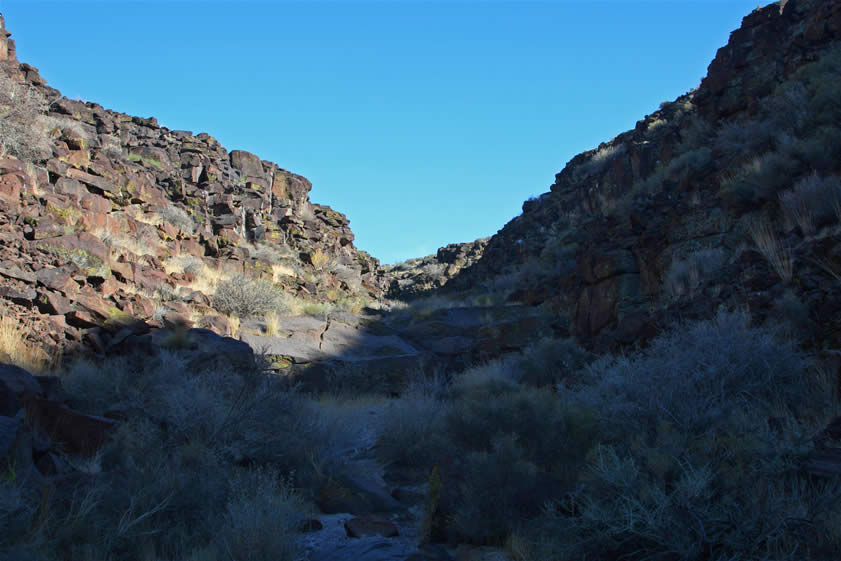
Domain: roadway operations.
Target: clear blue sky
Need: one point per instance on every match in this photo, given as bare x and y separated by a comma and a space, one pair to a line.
426, 123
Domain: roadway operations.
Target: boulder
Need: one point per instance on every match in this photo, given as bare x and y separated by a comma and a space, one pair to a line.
84, 250
357, 494
19, 381
367, 526
74, 432
15, 447
14, 272
246, 162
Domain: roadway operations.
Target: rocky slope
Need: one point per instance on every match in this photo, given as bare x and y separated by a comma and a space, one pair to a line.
722, 197
421, 275
106, 217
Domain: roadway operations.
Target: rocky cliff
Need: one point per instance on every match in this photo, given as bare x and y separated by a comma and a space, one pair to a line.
722, 197
107, 217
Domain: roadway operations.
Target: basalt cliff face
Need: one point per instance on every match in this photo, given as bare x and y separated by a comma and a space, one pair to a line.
722, 197
107, 218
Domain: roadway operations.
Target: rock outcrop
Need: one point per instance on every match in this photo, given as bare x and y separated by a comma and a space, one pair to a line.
415, 277
106, 218
668, 220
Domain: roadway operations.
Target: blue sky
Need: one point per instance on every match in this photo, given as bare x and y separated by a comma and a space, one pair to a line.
426, 123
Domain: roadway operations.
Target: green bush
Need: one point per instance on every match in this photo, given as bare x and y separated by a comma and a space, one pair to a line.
244, 297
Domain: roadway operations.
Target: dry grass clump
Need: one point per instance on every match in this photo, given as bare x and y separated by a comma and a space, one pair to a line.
272, 320
136, 245
685, 276
178, 217
184, 264
15, 349
766, 242
281, 270
243, 297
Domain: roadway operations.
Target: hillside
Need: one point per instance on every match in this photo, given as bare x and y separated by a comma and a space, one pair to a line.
721, 197
108, 217
196, 363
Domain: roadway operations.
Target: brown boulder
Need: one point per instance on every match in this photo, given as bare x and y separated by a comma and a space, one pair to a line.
99, 183
93, 303
59, 279
18, 380
23, 296
53, 303
74, 432
95, 203
15, 446
366, 526
246, 162
10, 189
70, 187
85, 250
14, 272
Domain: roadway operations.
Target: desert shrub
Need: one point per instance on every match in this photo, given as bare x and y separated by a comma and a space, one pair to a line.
170, 477
274, 254
500, 491
411, 434
790, 318
517, 449
549, 361
179, 218
599, 160
244, 297
697, 375
262, 512
812, 201
542, 423
736, 138
21, 107
788, 108
819, 148
760, 180
691, 444
696, 132
184, 264
491, 378
684, 276
678, 169
625, 509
